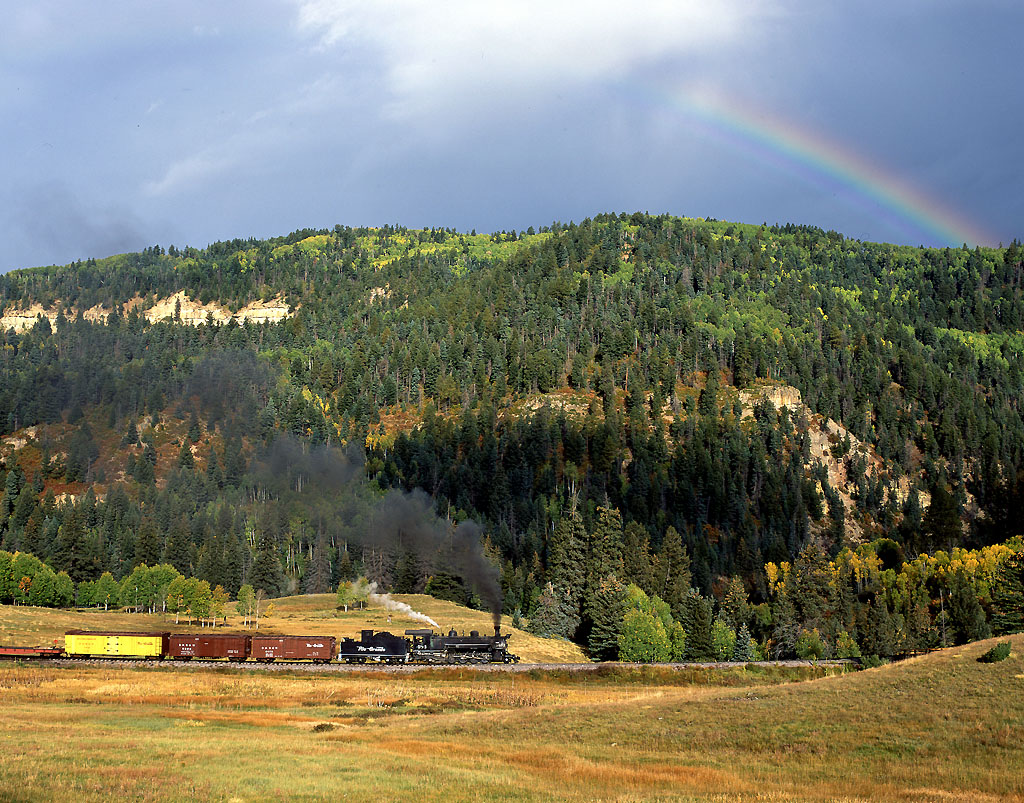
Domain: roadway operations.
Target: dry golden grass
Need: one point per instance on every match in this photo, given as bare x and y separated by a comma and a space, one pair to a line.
939, 727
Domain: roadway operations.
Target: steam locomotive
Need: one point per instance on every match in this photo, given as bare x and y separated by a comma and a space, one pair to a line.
427, 647
419, 647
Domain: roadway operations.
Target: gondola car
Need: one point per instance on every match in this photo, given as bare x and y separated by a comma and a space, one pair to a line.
380, 647
88, 644
16, 653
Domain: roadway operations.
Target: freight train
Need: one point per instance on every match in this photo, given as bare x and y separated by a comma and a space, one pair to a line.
418, 647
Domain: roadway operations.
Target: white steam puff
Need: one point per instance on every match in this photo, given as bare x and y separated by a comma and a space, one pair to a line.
399, 607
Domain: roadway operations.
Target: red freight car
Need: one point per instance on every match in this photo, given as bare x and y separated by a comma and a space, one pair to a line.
293, 648
232, 646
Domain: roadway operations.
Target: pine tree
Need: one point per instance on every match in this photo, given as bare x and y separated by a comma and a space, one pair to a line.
233, 563
554, 616
735, 607
213, 470
177, 548
606, 618
266, 568
744, 649
345, 569
1008, 596
317, 579
942, 521
407, 574
70, 552
604, 556
965, 612
880, 634
698, 621
674, 579
185, 459
636, 557
567, 571
147, 546
707, 403
810, 585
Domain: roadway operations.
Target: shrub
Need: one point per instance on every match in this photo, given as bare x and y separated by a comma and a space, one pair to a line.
998, 653
809, 645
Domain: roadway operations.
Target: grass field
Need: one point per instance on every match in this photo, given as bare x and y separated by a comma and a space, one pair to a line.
938, 727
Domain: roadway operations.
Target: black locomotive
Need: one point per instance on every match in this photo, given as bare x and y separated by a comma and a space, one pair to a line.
427, 647
380, 647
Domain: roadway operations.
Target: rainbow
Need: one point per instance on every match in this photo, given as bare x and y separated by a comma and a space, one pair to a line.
822, 162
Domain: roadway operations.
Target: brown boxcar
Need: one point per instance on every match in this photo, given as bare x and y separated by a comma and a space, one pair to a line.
234, 647
293, 648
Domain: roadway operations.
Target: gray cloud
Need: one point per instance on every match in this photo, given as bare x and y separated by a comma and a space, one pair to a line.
58, 226
230, 120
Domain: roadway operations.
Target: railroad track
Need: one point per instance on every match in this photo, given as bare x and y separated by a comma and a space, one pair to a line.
306, 666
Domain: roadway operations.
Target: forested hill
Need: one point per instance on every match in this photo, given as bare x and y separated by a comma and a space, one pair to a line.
613, 375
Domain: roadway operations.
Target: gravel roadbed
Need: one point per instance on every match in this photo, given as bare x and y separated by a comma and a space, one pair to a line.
305, 666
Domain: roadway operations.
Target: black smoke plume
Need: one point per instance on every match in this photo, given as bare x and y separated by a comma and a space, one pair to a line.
333, 483
406, 521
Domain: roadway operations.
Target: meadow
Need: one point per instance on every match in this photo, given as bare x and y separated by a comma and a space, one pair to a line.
939, 727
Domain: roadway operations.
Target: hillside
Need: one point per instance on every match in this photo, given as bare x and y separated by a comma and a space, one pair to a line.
661, 401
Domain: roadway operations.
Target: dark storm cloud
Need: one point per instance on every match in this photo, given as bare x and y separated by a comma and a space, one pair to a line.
214, 121
57, 226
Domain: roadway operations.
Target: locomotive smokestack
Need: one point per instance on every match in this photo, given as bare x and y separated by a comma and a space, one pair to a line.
497, 629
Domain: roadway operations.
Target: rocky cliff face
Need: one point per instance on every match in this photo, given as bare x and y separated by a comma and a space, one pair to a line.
826, 436
190, 312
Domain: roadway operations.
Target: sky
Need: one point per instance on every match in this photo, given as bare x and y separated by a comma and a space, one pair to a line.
129, 124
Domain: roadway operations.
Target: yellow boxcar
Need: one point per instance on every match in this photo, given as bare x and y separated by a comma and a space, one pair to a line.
81, 643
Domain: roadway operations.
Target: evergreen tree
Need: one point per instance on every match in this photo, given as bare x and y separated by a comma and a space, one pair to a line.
567, 572
70, 552
880, 636
965, 612
744, 649
317, 579
636, 557
178, 548
213, 469
233, 567
735, 607
407, 574
1008, 596
606, 617
554, 616
346, 571
698, 621
266, 568
185, 459
148, 548
673, 581
942, 525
